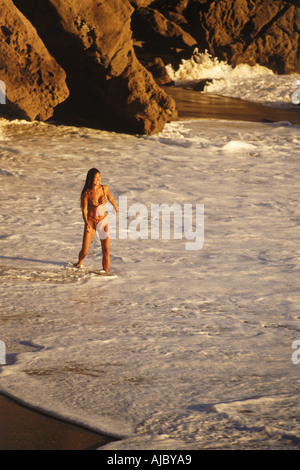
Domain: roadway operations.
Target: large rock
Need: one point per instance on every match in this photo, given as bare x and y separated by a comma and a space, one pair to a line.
160, 37
155, 27
92, 42
86, 47
246, 31
238, 31
34, 81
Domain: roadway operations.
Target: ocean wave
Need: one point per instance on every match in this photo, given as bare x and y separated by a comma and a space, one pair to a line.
252, 83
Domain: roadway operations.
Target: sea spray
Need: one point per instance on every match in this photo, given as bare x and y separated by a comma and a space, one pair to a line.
203, 65
251, 83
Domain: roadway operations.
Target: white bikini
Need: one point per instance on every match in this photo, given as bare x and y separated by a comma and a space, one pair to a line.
99, 226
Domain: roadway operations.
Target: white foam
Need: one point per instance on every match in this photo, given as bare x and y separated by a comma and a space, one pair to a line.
252, 83
236, 146
169, 352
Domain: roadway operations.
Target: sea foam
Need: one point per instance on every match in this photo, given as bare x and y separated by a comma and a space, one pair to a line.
252, 83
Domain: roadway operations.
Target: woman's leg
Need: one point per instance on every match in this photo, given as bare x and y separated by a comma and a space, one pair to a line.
88, 236
105, 245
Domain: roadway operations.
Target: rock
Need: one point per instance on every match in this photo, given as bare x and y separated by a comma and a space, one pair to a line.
176, 6
85, 48
237, 31
178, 19
157, 69
140, 3
243, 31
277, 46
198, 85
154, 27
159, 40
34, 81
150, 106
92, 41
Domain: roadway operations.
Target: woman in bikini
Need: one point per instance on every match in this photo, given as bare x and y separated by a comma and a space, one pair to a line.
94, 197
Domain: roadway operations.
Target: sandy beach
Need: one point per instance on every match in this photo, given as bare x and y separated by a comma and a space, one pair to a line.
22, 428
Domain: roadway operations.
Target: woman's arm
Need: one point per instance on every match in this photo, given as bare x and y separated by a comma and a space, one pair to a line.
111, 199
85, 208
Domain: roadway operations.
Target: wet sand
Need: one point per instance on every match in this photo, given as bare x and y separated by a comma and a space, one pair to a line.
22, 428
196, 105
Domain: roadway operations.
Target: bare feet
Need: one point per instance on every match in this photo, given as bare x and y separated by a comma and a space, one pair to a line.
77, 265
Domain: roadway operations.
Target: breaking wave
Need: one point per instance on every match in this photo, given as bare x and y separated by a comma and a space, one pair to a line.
252, 83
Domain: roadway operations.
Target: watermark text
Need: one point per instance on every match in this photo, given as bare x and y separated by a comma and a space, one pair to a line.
2, 92
296, 94
296, 354
2, 353
157, 222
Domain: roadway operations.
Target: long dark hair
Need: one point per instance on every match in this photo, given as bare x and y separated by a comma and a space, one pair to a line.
88, 183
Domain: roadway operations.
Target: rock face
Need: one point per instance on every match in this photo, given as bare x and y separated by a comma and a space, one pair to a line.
237, 31
246, 31
91, 60
92, 43
34, 81
160, 31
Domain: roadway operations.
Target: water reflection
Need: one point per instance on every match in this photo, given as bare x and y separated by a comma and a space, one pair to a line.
24, 429
193, 104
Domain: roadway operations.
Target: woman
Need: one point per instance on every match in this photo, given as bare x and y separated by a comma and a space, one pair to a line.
94, 196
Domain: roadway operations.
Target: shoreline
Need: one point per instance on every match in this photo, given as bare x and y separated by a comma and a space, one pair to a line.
197, 105
193, 104
23, 428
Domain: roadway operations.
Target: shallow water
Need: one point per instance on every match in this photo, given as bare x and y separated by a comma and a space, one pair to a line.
196, 105
182, 349
22, 428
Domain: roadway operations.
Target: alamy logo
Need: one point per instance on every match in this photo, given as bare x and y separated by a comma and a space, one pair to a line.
296, 94
2, 92
158, 221
295, 358
2, 353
